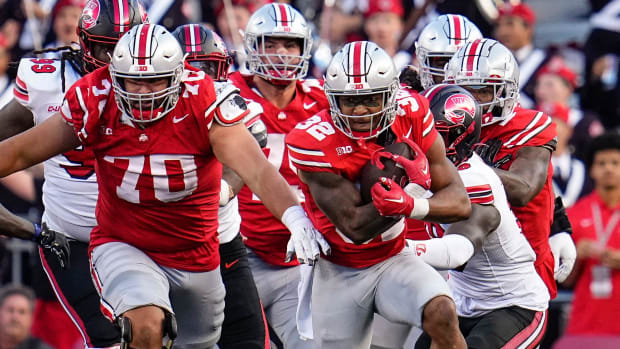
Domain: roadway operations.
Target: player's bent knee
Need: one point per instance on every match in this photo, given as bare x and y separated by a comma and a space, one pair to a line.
439, 315
145, 325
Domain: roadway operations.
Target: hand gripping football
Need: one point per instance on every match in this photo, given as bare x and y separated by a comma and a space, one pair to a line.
382, 165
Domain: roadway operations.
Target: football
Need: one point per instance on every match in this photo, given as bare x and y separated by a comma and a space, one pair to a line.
371, 173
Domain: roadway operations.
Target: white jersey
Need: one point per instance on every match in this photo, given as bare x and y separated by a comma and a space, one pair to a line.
502, 273
70, 187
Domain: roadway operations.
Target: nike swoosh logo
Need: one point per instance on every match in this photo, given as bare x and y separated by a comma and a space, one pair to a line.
177, 119
399, 201
425, 169
229, 265
308, 106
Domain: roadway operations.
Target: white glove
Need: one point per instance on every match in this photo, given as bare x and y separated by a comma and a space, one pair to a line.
305, 239
564, 253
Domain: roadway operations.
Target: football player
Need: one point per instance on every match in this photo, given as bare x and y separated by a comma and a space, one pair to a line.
370, 269
159, 133
500, 299
244, 320
518, 142
70, 188
277, 42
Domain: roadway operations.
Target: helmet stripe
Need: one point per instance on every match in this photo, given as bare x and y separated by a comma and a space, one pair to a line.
117, 20
472, 58
143, 40
458, 33
284, 16
196, 40
188, 38
125, 16
357, 57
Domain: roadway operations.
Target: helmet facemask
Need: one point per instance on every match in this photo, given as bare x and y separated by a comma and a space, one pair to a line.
147, 54
379, 121
150, 106
432, 72
278, 67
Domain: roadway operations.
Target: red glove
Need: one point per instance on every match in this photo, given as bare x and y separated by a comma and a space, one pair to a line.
390, 199
418, 168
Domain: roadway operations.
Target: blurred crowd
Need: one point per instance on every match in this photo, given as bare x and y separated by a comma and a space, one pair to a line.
575, 82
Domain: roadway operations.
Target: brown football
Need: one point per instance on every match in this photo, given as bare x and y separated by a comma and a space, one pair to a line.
371, 173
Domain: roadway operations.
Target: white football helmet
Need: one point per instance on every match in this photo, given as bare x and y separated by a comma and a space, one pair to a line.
362, 68
485, 63
438, 41
280, 21
147, 51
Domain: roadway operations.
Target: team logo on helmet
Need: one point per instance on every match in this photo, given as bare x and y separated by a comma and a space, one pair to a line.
459, 102
90, 14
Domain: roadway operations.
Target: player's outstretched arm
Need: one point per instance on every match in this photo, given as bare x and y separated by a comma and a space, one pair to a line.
527, 174
461, 241
449, 202
37, 144
14, 119
341, 202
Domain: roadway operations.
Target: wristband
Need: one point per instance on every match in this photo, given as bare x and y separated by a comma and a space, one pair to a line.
293, 214
37, 232
420, 208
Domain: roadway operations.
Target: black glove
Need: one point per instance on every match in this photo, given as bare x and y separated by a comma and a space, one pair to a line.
487, 151
53, 241
560, 219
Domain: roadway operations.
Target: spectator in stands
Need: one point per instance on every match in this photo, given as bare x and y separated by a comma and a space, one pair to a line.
16, 309
515, 29
596, 231
555, 84
65, 17
383, 25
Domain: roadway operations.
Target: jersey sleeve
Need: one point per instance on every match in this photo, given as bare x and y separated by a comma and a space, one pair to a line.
416, 108
538, 131
478, 186
83, 104
304, 155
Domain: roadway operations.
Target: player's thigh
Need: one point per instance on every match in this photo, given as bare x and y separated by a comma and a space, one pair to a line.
198, 302
387, 334
268, 279
126, 279
244, 321
405, 286
78, 296
511, 327
342, 305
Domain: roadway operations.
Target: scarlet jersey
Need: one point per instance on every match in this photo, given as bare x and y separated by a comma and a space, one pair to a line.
262, 232
530, 128
316, 145
158, 186
70, 187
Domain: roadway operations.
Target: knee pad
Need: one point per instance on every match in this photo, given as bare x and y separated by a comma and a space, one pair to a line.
170, 329
124, 324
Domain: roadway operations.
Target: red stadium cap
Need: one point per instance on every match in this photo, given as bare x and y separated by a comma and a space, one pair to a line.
520, 10
64, 3
390, 6
556, 66
555, 110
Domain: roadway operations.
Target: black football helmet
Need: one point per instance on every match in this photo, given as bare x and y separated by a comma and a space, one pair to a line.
102, 23
206, 50
458, 119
